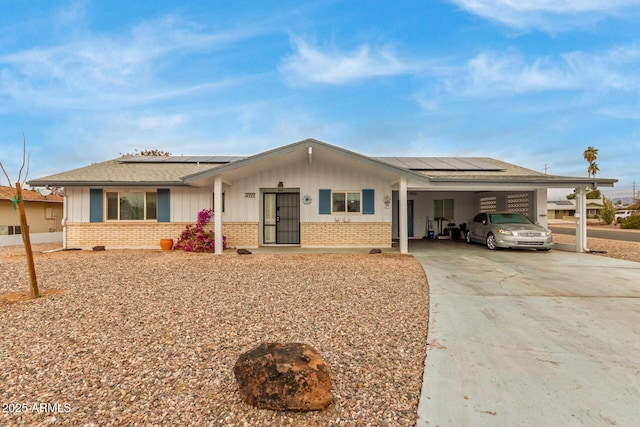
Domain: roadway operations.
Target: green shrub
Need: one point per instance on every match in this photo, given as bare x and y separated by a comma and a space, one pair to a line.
608, 212
631, 222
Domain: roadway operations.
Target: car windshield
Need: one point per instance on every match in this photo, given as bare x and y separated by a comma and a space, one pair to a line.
509, 218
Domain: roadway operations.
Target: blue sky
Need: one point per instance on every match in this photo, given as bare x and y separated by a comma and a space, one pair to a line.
529, 82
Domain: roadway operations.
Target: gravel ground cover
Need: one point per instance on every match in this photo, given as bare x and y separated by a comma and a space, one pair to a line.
151, 337
605, 247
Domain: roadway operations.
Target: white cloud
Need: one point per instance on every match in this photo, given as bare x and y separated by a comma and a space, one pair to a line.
93, 71
491, 74
309, 64
72, 12
548, 15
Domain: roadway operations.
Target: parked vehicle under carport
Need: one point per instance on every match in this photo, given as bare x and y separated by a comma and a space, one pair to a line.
508, 230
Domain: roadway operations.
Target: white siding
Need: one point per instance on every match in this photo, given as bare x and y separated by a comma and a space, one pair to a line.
308, 180
243, 196
77, 204
185, 202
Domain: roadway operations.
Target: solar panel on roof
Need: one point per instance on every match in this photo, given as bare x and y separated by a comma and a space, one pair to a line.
441, 163
182, 159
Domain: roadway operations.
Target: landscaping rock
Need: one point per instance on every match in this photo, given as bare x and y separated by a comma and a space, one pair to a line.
278, 376
375, 251
243, 251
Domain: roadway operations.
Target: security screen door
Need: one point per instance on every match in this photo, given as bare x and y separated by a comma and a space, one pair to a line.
281, 219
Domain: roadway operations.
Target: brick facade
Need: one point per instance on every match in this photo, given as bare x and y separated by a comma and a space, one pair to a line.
330, 234
147, 235
241, 234
130, 235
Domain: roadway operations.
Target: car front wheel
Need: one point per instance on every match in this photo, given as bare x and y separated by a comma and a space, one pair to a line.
491, 241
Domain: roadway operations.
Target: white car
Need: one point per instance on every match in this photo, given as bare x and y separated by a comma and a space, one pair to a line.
622, 214
508, 230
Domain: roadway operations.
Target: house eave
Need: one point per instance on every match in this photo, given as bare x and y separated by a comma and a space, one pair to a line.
44, 183
554, 182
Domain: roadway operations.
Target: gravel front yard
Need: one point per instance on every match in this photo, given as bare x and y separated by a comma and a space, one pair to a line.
151, 337
605, 247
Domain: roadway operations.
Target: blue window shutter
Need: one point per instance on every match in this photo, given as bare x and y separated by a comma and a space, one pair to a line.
324, 202
368, 202
95, 205
164, 211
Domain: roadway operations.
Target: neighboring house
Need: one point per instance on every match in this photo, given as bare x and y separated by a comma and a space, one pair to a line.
566, 209
44, 213
308, 194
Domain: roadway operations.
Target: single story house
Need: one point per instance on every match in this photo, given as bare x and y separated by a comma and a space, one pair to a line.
308, 193
43, 210
566, 209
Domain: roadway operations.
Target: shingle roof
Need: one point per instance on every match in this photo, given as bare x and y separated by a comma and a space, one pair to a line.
6, 193
181, 170
127, 173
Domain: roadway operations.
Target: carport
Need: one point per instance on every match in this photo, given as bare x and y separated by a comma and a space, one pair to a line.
455, 189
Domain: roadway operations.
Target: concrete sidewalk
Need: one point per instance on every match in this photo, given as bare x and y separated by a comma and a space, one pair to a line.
522, 338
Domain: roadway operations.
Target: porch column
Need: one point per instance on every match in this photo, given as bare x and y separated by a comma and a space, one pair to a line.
541, 207
217, 209
65, 207
402, 216
581, 219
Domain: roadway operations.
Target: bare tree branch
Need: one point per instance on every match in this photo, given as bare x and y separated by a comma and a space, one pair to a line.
26, 175
6, 174
24, 152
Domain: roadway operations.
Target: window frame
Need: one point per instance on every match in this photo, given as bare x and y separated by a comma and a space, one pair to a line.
224, 200
346, 194
145, 203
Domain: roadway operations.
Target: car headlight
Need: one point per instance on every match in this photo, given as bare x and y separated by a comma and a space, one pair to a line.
505, 232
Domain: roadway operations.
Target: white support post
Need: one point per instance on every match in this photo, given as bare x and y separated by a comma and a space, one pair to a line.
402, 216
541, 207
217, 211
65, 209
581, 219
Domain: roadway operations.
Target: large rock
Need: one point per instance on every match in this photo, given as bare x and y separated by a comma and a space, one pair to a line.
283, 377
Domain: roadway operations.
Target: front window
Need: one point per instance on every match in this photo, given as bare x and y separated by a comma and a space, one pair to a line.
132, 205
345, 202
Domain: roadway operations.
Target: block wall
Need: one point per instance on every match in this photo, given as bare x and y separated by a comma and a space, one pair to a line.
346, 234
241, 234
122, 235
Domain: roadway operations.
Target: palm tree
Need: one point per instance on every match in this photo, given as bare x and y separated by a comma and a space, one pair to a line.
590, 155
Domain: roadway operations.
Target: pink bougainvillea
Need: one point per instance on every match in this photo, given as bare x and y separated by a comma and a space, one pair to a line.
195, 238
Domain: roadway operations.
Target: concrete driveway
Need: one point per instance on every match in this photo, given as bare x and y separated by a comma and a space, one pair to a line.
522, 338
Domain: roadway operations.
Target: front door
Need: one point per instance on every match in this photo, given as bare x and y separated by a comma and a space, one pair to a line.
281, 218
409, 218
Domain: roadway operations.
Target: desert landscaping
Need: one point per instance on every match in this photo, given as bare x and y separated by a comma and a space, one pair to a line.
150, 337
124, 337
